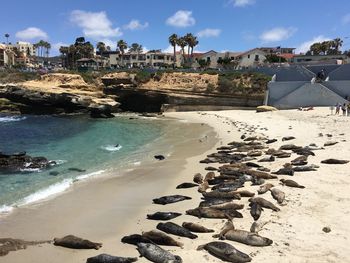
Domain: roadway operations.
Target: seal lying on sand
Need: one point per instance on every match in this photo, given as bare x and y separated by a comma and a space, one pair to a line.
225, 252
135, 239
255, 211
161, 239
193, 227
221, 195
186, 185
164, 200
244, 237
163, 215
228, 206
291, 183
305, 168
71, 241
301, 160
156, 254
264, 188
208, 212
172, 228
105, 258
264, 203
278, 195
334, 161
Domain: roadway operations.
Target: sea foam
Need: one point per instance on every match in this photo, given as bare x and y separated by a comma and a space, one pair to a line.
85, 176
112, 148
11, 118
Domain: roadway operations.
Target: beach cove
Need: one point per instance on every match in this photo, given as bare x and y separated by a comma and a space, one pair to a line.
107, 209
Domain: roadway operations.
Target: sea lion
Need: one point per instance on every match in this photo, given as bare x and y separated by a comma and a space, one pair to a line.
175, 229
156, 254
334, 161
198, 178
254, 165
264, 188
159, 157
259, 174
244, 237
162, 239
288, 138
257, 181
228, 206
105, 258
73, 169
291, 183
264, 169
285, 171
210, 168
255, 211
221, 195
209, 176
254, 153
203, 187
196, 228
304, 151
301, 160
330, 143
264, 203
163, 215
135, 239
225, 252
256, 227
271, 141
164, 200
214, 201
208, 212
305, 168
186, 185
270, 158
290, 147
11, 244
278, 195
244, 193
71, 241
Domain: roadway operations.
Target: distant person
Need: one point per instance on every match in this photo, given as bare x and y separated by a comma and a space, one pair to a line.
348, 108
337, 109
343, 108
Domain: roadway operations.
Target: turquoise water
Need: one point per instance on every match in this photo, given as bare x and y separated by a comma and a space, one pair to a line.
73, 142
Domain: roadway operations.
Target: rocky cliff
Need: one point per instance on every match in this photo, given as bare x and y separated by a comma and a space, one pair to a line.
58, 93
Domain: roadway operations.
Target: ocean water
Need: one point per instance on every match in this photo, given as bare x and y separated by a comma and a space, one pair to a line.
95, 146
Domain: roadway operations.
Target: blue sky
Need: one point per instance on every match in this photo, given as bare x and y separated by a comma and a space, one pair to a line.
234, 25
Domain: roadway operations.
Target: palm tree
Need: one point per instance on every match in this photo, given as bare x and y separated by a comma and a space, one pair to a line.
188, 38
48, 47
173, 39
122, 45
181, 42
135, 47
64, 51
337, 43
7, 35
192, 43
101, 47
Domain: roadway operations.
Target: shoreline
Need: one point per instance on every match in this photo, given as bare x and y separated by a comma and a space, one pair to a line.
296, 230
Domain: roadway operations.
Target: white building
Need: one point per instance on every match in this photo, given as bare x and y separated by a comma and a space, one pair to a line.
7, 56
251, 58
26, 48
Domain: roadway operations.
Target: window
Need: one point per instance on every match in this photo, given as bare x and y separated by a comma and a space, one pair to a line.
248, 56
256, 57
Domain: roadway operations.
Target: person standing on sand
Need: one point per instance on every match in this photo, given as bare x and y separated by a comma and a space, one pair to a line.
348, 108
343, 108
337, 109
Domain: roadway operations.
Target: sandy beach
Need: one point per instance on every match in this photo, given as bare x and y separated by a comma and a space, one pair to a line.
105, 210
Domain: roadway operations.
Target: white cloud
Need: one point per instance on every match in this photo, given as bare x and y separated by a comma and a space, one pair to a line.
31, 33
248, 36
277, 34
170, 49
136, 25
242, 3
55, 48
182, 18
94, 25
346, 19
304, 47
209, 32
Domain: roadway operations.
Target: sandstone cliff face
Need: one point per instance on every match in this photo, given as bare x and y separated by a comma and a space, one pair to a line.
183, 81
59, 93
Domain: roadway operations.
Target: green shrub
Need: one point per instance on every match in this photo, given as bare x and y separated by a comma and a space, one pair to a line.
210, 88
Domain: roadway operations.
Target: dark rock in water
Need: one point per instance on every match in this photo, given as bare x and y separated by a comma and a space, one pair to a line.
22, 162
334, 161
163, 215
172, 228
159, 157
74, 242
186, 185
54, 173
170, 199
73, 169
135, 239
105, 258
